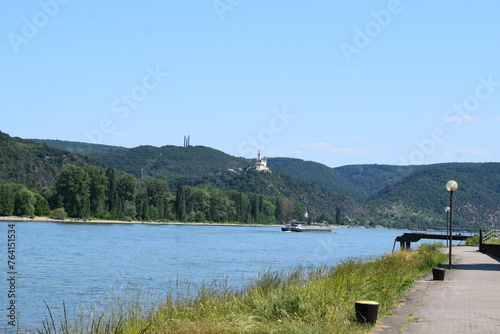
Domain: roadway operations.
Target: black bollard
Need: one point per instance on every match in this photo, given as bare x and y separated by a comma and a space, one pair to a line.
366, 311
438, 274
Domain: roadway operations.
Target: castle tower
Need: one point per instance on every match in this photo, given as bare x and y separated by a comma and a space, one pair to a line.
260, 164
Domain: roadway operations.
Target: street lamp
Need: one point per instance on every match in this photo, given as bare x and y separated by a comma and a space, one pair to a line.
447, 209
451, 186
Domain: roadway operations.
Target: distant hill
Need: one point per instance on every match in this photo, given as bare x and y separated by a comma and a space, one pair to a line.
175, 163
172, 163
91, 150
370, 179
34, 164
318, 174
316, 186
318, 202
476, 202
169, 162
394, 196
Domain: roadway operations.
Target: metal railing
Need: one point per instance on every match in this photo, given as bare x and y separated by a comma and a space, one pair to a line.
491, 234
445, 231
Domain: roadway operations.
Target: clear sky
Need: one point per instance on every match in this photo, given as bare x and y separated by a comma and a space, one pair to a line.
337, 82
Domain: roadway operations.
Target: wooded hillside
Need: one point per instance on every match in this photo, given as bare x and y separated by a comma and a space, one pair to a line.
393, 196
34, 164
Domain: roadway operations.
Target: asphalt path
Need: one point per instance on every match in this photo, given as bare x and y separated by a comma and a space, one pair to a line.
466, 301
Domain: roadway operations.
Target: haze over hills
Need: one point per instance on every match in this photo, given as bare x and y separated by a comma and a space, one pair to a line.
394, 196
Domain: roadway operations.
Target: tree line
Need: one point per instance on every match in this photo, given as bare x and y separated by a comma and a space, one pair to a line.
93, 192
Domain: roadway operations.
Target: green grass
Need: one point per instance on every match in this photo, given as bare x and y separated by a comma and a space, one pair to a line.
305, 300
474, 240
494, 241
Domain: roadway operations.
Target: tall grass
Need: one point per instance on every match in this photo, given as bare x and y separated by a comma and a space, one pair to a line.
304, 300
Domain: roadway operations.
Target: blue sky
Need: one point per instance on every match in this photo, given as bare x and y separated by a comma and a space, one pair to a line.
337, 82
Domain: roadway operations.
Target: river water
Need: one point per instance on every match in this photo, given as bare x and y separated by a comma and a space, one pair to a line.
89, 264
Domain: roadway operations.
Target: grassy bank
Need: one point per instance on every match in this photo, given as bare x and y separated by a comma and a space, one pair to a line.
306, 300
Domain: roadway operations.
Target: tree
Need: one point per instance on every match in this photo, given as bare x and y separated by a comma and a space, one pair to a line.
98, 185
157, 192
142, 205
111, 194
269, 208
41, 205
24, 201
285, 209
180, 203
129, 210
198, 203
338, 216
50, 194
125, 207
126, 187
74, 187
220, 205
6, 201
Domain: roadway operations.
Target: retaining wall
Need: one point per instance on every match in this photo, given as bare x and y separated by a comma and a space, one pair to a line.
490, 249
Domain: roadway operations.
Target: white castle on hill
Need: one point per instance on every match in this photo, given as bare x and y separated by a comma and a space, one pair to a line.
260, 164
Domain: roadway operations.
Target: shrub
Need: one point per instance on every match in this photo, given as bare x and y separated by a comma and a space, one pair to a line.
59, 213
472, 241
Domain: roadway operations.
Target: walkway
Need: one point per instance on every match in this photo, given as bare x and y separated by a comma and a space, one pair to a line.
467, 301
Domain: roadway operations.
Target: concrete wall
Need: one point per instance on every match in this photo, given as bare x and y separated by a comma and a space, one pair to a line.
490, 249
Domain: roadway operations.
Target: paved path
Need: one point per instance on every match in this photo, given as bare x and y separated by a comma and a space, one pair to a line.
467, 301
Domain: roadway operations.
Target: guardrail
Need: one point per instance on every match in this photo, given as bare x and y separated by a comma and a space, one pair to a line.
491, 234
490, 249
441, 231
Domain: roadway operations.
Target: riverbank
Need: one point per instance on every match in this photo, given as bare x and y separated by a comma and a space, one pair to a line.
313, 300
102, 221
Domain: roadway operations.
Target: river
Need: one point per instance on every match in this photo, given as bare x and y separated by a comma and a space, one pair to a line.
89, 264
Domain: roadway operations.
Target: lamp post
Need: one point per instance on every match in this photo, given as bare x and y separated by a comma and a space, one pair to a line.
451, 186
447, 209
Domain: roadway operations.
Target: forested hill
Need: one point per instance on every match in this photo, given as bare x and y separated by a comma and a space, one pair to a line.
319, 203
394, 196
477, 200
33, 164
91, 150
172, 163
370, 179
318, 174
322, 193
